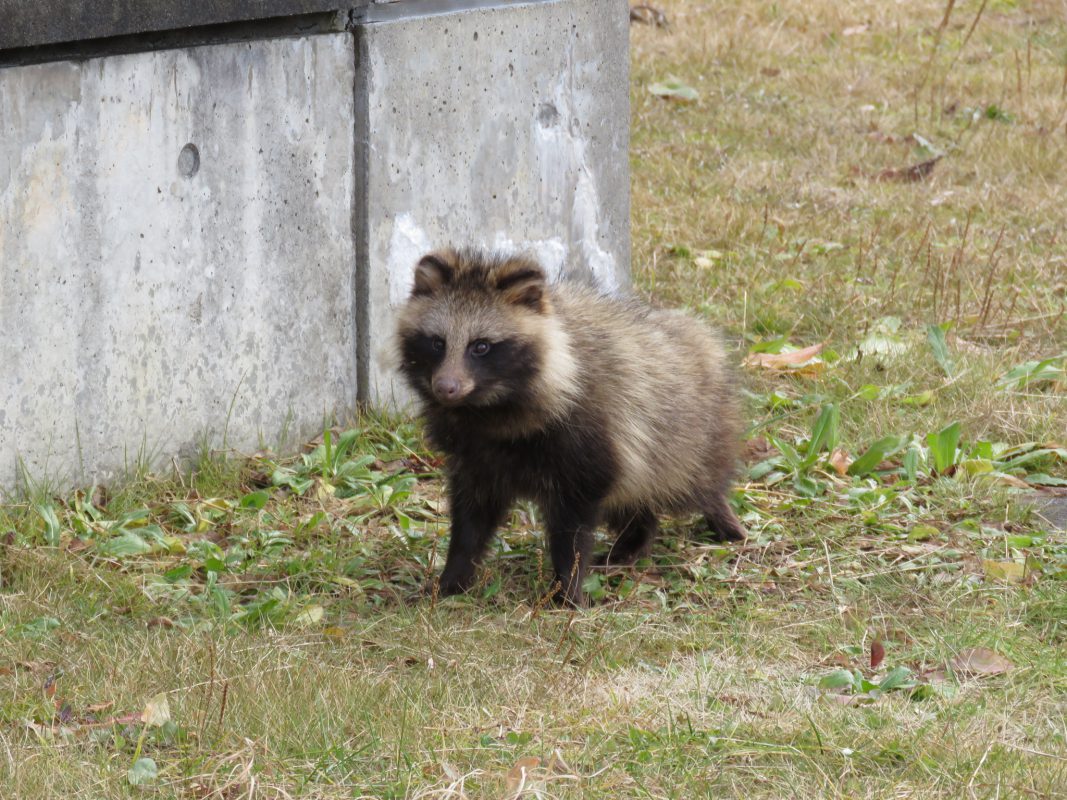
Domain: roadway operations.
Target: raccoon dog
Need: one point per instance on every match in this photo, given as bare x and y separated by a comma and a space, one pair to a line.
597, 409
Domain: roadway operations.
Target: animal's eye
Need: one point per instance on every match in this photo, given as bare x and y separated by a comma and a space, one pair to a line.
438, 344
480, 348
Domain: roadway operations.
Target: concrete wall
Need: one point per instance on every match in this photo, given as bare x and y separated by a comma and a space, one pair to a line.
139, 299
154, 297
505, 128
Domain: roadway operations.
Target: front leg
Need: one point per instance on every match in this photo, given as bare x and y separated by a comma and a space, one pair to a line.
477, 511
570, 524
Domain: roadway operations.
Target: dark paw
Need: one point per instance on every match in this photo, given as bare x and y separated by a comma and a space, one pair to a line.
727, 533
439, 587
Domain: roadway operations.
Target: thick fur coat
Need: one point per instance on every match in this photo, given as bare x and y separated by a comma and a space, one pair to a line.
601, 410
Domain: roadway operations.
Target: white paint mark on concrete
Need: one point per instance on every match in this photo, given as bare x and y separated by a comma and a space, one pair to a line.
407, 245
562, 157
551, 254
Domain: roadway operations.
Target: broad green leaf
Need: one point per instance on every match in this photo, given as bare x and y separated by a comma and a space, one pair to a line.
1050, 453
935, 334
919, 400
52, 529
1035, 374
770, 346
911, 461
1041, 479
896, 679
37, 627
976, 466
920, 533
836, 680
127, 543
673, 88
256, 500
874, 455
824, 432
1018, 540
309, 616
143, 772
880, 344
807, 486
943, 446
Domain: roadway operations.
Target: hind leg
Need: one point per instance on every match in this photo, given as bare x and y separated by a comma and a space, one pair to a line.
636, 530
722, 521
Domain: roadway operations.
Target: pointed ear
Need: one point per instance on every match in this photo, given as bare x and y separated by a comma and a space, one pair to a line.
522, 283
432, 273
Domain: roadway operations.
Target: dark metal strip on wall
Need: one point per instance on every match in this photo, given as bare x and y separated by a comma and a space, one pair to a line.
43, 31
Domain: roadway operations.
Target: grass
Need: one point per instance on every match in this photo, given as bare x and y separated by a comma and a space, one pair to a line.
275, 604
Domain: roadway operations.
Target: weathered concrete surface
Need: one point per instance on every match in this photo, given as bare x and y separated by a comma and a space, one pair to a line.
153, 297
505, 127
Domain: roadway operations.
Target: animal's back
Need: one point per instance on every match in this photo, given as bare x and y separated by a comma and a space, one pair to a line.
661, 380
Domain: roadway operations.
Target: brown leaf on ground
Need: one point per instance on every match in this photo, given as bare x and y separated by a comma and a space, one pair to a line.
520, 773
1006, 571
840, 461
648, 15
793, 360
912, 174
1006, 480
36, 666
877, 654
980, 661
758, 449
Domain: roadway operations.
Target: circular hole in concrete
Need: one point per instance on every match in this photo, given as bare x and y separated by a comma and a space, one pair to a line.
189, 161
547, 115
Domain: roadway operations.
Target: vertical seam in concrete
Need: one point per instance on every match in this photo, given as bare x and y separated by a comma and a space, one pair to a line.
360, 217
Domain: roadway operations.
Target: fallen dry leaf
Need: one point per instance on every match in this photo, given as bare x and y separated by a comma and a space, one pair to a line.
758, 449
912, 174
557, 765
840, 461
36, 666
793, 360
980, 661
1005, 479
1007, 571
934, 676
519, 773
648, 15
156, 711
877, 654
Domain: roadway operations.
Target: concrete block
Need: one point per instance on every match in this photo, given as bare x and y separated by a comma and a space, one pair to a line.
505, 127
176, 253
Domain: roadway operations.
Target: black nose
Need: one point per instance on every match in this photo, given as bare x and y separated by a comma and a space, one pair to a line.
446, 388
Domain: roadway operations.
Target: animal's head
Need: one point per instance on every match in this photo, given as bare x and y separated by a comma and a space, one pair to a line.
479, 330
